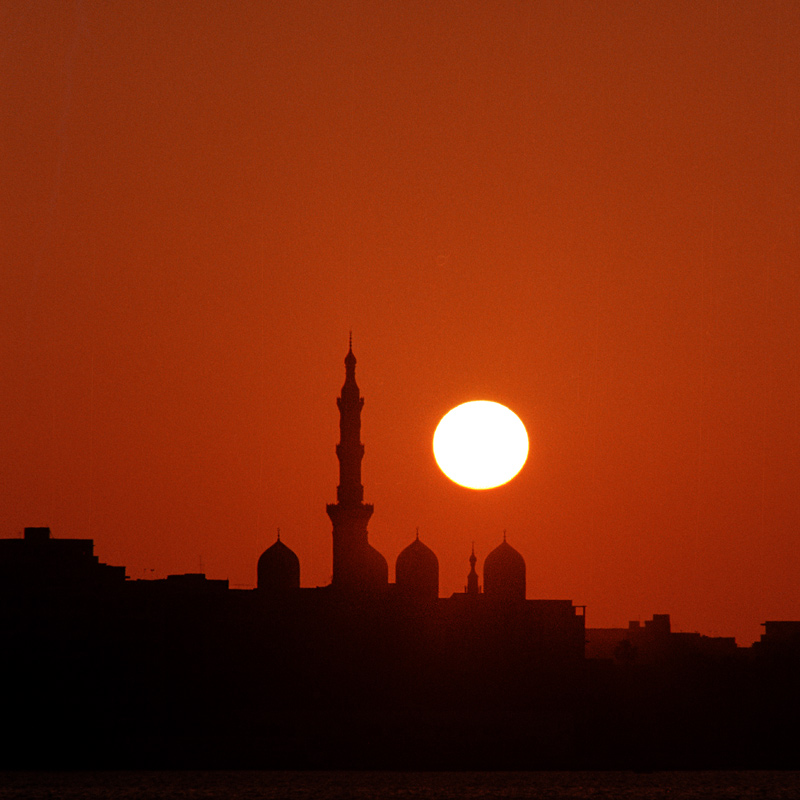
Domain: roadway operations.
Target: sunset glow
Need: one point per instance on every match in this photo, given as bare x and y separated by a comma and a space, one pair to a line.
585, 210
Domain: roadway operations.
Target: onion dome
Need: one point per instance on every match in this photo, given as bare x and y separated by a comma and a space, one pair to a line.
504, 573
278, 568
417, 571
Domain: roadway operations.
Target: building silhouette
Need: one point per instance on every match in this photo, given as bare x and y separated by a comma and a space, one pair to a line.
39, 564
545, 631
103, 671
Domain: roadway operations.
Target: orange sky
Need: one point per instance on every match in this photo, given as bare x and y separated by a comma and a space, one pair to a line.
585, 211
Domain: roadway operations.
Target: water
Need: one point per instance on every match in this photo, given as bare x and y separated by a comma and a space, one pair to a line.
399, 785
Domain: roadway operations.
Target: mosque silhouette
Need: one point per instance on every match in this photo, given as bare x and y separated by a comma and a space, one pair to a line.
360, 571
102, 671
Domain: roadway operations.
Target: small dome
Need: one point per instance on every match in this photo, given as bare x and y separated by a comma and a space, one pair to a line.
504, 573
376, 568
278, 568
417, 571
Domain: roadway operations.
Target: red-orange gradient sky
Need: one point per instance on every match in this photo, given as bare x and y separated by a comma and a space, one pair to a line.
586, 211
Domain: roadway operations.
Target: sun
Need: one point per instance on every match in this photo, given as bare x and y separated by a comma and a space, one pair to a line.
480, 444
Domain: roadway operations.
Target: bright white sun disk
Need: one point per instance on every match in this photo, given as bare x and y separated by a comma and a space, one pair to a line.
480, 444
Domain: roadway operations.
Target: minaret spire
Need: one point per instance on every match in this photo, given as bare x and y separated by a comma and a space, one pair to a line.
350, 451
357, 566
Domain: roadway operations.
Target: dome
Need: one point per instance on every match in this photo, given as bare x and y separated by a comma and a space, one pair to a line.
364, 573
376, 570
504, 573
278, 568
417, 571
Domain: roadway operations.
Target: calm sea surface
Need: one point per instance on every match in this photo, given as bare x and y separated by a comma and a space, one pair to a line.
400, 785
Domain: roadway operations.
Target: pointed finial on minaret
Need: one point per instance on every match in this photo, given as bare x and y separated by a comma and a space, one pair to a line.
504, 534
279, 534
350, 359
417, 532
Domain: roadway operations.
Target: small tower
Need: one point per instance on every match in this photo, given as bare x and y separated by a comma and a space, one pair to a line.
472, 578
357, 566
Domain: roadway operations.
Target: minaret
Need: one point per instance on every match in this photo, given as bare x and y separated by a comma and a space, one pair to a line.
472, 578
357, 566
350, 451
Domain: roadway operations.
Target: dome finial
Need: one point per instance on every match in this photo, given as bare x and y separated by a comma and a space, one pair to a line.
417, 532
504, 534
279, 534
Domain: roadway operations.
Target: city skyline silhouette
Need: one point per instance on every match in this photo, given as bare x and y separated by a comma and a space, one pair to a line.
585, 212
363, 673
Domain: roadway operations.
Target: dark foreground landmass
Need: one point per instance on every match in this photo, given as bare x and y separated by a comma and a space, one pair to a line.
205, 679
